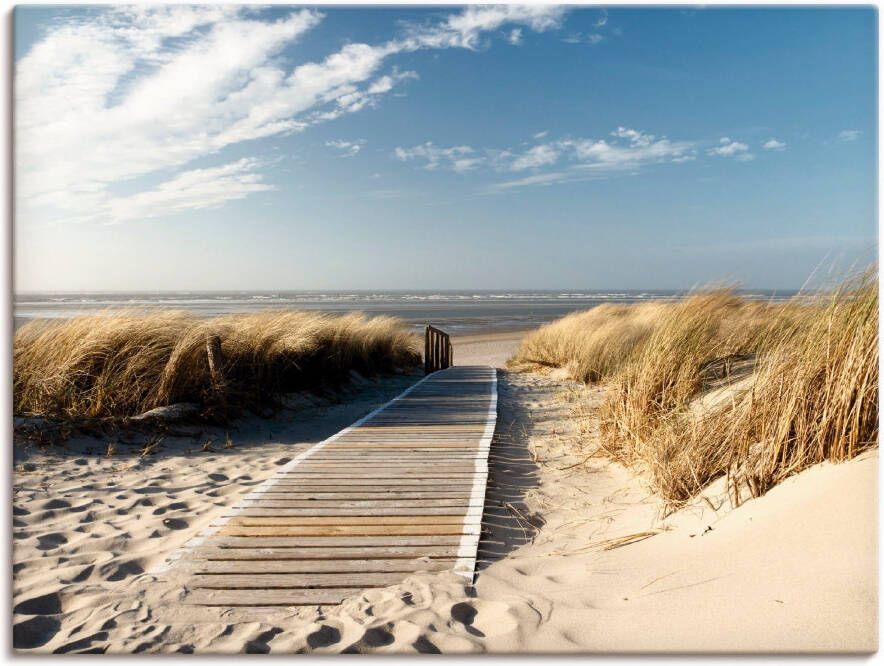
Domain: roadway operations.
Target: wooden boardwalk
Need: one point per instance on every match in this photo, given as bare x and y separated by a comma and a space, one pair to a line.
400, 491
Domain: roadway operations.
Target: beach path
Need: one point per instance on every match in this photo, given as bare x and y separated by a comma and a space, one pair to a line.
400, 491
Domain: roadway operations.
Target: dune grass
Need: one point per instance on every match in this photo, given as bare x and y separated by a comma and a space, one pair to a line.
124, 363
811, 395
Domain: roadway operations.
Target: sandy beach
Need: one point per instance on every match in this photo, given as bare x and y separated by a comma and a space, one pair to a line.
575, 554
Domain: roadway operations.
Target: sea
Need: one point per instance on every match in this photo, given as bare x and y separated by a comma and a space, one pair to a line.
456, 312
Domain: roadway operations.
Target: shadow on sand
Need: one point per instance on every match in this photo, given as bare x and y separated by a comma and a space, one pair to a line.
507, 523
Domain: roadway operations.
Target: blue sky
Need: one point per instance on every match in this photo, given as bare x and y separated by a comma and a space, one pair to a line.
484, 147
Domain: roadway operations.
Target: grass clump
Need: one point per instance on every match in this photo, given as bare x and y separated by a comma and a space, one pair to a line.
794, 383
124, 363
593, 344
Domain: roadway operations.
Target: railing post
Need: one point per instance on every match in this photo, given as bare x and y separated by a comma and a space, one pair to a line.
438, 350
427, 350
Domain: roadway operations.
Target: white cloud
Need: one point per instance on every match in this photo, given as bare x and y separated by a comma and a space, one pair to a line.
626, 150
457, 158
515, 36
595, 38
528, 181
602, 20
129, 93
629, 150
849, 135
773, 144
464, 30
728, 148
190, 190
346, 148
538, 156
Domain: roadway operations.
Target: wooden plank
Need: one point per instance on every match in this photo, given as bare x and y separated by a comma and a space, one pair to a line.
328, 542
350, 521
380, 472
356, 505
393, 510
341, 530
281, 566
365, 554
366, 494
351, 482
276, 581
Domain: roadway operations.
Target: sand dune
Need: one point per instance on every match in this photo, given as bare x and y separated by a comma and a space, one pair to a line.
575, 555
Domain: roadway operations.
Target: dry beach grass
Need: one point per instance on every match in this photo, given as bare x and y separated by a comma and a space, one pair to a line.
122, 364
811, 394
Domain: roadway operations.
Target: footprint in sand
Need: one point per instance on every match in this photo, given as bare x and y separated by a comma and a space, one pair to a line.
84, 644
35, 632
281, 461
325, 636
176, 523
259, 644
56, 504
45, 604
372, 638
219, 477
484, 618
122, 571
50, 541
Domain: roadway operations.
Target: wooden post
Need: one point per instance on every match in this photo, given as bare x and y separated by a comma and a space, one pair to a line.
438, 350
427, 366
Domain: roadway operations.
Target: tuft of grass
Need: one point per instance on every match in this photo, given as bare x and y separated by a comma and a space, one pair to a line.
793, 384
594, 344
124, 363
814, 397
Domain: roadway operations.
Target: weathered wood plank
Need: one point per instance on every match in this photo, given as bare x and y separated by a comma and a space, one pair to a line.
388, 511
341, 530
368, 494
355, 505
350, 482
363, 553
280, 566
328, 542
350, 521
276, 581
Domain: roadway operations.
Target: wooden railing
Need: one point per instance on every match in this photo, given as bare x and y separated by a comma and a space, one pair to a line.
438, 352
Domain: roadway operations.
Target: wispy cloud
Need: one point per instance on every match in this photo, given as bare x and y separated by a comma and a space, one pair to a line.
457, 158
626, 149
535, 157
346, 148
529, 181
774, 144
127, 93
597, 36
849, 135
515, 37
569, 159
191, 190
735, 149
